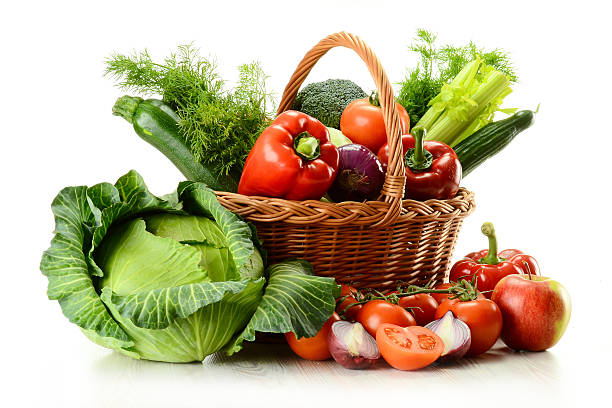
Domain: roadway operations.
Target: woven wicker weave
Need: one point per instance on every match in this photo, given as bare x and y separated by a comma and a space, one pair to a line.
373, 244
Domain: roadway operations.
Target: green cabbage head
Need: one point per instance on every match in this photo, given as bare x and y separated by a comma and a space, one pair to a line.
174, 278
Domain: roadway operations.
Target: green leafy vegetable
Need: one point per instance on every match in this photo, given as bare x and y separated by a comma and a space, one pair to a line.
174, 278
438, 66
220, 126
292, 296
466, 104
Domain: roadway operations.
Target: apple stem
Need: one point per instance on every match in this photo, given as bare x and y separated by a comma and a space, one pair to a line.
489, 231
528, 269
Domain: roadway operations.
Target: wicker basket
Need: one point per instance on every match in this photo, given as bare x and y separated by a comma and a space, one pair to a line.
373, 244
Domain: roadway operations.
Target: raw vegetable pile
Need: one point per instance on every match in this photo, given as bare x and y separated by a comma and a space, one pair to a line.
413, 327
178, 277
220, 136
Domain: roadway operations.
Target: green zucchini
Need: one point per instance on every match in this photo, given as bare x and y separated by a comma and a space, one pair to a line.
158, 124
490, 139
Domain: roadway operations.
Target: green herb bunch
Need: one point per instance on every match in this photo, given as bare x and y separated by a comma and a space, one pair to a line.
438, 66
219, 125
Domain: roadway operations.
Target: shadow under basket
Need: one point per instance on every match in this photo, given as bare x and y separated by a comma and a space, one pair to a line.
372, 244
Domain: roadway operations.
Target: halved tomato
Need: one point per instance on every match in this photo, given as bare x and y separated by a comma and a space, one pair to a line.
408, 348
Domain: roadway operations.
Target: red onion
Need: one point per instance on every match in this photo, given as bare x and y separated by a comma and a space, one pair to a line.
454, 333
351, 346
360, 175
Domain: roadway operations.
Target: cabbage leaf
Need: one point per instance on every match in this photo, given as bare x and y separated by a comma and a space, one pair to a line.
172, 278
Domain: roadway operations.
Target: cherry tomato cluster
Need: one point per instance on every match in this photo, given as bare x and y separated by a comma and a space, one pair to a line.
396, 321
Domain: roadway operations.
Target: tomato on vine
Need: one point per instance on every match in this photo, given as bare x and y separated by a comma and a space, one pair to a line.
482, 316
422, 306
378, 311
348, 297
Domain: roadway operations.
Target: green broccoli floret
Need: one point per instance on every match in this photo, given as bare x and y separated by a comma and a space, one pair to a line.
326, 100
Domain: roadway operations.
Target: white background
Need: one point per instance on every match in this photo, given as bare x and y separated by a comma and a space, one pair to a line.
547, 193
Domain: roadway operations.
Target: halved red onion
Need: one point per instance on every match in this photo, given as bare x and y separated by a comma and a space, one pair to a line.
455, 334
351, 346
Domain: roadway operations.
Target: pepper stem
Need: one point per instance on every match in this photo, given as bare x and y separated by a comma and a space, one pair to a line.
418, 159
489, 231
307, 146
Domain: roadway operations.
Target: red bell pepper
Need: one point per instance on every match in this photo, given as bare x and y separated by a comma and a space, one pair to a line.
489, 267
293, 158
432, 168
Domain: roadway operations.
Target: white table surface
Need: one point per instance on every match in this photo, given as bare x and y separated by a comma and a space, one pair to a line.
547, 193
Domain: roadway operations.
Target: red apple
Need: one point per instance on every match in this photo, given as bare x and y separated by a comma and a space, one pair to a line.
536, 311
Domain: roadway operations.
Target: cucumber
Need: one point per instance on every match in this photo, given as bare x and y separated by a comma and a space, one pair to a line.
156, 123
490, 139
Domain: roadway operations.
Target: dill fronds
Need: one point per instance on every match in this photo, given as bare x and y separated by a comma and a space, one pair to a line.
219, 125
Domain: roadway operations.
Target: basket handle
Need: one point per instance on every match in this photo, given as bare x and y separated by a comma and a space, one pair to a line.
393, 188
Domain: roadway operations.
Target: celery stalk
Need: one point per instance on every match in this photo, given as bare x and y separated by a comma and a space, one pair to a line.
465, 104
463, 80
447, 128
485, 116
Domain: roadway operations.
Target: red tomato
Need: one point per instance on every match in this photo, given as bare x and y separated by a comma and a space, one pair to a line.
363, 123
376, 312
313, 348
351, 313
408, 348
441, 297
423, 307
482, 316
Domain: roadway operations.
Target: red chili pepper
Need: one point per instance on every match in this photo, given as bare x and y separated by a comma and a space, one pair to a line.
293, 158
432, 168
490, 267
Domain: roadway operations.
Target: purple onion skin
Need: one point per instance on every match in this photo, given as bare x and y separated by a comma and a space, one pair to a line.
346, 360
360, 175
342, 356
458, 350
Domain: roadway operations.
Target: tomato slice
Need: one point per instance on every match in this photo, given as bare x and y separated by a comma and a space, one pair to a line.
408, 348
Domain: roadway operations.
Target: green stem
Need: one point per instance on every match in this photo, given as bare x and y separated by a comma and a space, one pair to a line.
126, 106
306, 146
462, 290
373, 99
489, 231
418, 159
